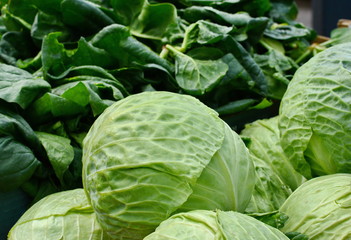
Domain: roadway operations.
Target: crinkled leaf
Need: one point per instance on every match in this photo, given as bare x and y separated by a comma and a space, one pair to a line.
158, 158
65, 215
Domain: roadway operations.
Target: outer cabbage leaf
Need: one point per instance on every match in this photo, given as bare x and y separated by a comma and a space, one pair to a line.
321, 208
197, 225
143, 157
315, 114
243, 227
214, 225
230, 165
263, 141
62, 215
270, 191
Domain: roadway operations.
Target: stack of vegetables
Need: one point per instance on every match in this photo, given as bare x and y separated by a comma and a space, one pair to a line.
173, 120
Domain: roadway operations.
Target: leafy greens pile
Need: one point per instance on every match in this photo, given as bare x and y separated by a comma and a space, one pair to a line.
65, 61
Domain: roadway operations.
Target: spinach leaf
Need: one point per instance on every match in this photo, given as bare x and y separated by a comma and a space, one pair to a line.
59, 151
19, 86
117, 40
254, 78
247, 27
88, 20
16, 45
154, 20
127, 11
196, 77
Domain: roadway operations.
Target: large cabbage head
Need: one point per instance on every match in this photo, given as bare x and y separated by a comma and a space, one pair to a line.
321, 208
214, 225
315, 114
153, 154
62, 215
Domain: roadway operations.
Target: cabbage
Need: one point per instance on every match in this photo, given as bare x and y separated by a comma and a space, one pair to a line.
270, 191
315, 114
62, 215
153, 154
263, 141
276, 177
321, 208
214, 225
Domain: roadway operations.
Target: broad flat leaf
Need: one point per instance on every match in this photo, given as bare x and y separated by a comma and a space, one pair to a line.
253, 75
204, 32
197, 77
51, 105
19, 86
46, 23
59, 151
127, 11
117, 40
84, 16
154, 20
17, 163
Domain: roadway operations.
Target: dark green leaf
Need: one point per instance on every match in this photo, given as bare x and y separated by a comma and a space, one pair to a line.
245, 25
16, 45
116, 39
204, 32
19, 86
283, 11
46, 23
51, 106
285, 32
196, 77
84, 16
275, 219
154, 20
127, 11
59, 151
254, 76
236, 106
17, 163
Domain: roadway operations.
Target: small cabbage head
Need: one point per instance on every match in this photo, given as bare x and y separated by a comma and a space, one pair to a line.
262, 138
214, 225
321, 208
154, 154
315, 114
62, 215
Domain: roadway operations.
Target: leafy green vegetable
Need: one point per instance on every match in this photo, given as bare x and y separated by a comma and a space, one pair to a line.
314, 113
196, 77
320, 208
262, 138
155, 153
19, 86
63, 215
64, 62
202, 224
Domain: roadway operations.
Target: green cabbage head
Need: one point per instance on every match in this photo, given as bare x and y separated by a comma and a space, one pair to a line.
262, 138
214, 225
62, 215
315, 114
321, 208
154, 154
